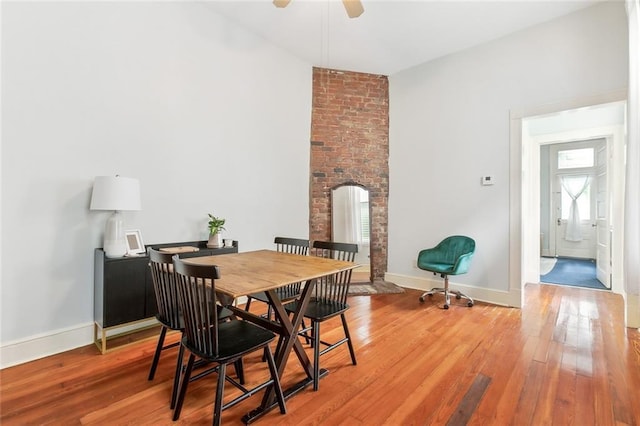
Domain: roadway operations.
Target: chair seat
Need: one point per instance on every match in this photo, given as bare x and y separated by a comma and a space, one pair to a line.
319, 310
441, 268
235, 339
224, 313
283, 293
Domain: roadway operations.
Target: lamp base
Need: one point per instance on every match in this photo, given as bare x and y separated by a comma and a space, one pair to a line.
114, 242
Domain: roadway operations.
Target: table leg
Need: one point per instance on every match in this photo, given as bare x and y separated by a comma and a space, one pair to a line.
290, 331
289, 335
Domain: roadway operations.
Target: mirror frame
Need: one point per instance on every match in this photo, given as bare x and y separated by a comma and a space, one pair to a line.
331, 202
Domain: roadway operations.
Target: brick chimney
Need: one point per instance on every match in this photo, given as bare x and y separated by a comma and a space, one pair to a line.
350, 143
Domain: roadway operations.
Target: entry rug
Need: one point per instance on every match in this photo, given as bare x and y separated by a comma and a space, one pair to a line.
574, 272
377, 287
547, 264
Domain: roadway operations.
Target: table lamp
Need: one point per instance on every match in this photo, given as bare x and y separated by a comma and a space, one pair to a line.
115, 193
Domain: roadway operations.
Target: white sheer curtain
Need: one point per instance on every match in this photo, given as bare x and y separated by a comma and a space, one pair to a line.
632, 183
575, 187
353, 223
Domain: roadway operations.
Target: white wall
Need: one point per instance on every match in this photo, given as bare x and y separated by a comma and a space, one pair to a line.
449, 125
207, 116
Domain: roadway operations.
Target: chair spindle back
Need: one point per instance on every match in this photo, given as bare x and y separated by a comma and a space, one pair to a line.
334, 288
196, 287
292, 245
164, 286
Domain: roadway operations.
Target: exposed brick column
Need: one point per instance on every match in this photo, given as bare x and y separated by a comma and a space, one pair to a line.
350, 143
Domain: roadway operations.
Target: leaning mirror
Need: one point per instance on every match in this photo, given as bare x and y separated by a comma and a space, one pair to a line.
350, 224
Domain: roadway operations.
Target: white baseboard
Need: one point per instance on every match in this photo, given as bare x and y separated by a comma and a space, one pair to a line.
496, 297
40, 346
36, 347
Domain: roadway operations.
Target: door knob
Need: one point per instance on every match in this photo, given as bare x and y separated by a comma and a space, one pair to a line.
559, 221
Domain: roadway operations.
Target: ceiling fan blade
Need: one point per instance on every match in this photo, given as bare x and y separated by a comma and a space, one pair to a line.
281, 3
354, 7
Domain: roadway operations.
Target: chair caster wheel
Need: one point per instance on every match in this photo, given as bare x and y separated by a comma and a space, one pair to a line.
422, 299
446, 306
469, 304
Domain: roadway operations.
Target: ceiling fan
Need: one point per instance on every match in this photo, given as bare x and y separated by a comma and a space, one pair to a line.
354, 7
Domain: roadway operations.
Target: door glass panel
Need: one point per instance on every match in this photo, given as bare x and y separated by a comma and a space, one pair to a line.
574, 158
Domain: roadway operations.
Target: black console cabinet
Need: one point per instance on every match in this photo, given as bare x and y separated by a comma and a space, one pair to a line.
123, 289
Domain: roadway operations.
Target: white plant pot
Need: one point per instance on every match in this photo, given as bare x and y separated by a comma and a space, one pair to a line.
215, 240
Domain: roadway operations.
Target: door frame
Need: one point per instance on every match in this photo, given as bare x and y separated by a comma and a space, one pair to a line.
524, 195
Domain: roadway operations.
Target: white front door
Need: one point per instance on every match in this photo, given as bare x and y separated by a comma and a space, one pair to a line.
574, 189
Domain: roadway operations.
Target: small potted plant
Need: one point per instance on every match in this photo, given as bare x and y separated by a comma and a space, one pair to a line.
215, 226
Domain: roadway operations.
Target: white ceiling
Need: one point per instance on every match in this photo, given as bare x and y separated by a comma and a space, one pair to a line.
391, 35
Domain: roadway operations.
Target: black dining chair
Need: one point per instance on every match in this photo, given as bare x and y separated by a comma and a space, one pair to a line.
220, 343
288, 292
328, 300
170, 315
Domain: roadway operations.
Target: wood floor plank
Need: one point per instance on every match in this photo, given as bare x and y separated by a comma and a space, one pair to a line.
426, 393
501, 399
470, 401
563, 359
548, 387
565, 398
584, 407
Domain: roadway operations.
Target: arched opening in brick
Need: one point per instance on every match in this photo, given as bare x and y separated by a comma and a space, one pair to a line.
350, 222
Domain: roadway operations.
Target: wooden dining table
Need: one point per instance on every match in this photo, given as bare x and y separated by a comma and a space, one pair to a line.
245, 273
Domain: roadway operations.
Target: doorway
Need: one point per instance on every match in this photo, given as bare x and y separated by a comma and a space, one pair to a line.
574, 244
576, 122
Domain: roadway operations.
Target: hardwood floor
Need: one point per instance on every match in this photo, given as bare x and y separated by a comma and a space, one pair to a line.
563, 359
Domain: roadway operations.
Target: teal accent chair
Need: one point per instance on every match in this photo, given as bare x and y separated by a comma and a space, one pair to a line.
452, 256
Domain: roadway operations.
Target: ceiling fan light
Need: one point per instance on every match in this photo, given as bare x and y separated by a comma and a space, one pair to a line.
281, 3
354, 8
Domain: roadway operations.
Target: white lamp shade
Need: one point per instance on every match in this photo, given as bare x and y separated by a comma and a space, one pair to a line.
115, 193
